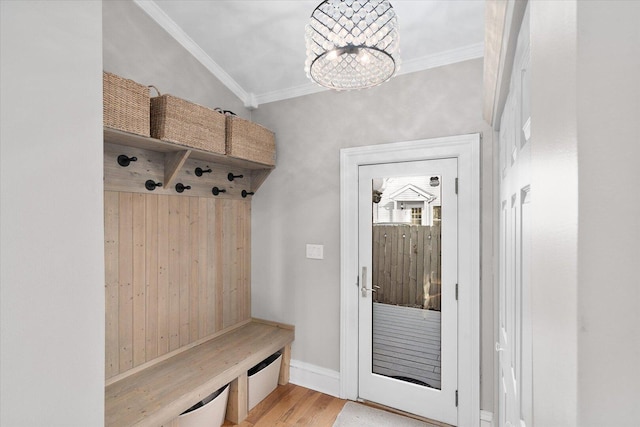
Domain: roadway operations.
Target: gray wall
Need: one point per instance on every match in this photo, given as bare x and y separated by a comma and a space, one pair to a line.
52, 297
585, 248
300, 201
51, 226
609, 206
554, 184
136, 47
609, 213
298, 204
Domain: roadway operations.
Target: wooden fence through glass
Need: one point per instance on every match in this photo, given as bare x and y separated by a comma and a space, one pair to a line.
406, 265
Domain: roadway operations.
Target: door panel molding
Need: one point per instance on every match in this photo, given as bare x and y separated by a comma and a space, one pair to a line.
514, 327
466, 148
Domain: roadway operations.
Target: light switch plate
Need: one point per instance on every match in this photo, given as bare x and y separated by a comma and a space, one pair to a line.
315, 251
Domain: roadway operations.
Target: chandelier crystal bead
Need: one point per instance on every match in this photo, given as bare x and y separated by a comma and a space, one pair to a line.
352, 44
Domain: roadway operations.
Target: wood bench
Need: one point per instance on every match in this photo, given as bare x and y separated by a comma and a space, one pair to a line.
156, 395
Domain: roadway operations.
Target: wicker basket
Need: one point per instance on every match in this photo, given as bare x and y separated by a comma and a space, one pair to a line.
250, 141
125, 104
183, 122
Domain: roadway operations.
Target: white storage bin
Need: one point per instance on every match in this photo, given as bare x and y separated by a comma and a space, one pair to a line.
210, 412
263, 379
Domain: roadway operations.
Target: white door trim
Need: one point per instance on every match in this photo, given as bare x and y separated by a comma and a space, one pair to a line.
466, 148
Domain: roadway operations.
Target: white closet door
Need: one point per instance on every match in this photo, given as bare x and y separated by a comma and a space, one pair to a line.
514, 346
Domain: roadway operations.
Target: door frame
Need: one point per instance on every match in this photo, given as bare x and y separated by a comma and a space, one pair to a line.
466, 148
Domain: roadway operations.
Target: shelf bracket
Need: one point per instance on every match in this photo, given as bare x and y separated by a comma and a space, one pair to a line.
172, 164
258, 176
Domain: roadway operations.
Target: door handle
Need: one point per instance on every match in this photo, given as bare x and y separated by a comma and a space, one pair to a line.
499, 348
364, 288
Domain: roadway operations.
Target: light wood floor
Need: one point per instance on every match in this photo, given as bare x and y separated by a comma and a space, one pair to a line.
292, 405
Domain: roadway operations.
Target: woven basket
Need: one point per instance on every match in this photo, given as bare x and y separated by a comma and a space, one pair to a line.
183, 122
250, 141
125, 104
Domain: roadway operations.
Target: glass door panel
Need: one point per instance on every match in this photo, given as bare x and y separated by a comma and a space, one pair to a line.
408, 273
406, 277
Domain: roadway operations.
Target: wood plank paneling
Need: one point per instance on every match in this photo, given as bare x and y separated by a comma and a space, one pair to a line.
228, 267
219, 263
184, 239
406, 265
212, 270
420, 268
139, 279
163, 275
194, 273
413, 270
406, 254
393, 239
125, 280
152, 272
111, 244
246, 268
174, 273
434, 296
386, 287
177, 271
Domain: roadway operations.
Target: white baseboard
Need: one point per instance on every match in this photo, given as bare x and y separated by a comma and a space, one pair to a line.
486, 419
315, 377
328, 381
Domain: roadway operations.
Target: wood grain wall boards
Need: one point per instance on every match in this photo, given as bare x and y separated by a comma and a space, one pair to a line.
151, 276
151, 165
163, 274
177, 271
111, 245
125, 281
139, 278
406, 265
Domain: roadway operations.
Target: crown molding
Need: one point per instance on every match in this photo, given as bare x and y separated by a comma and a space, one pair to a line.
291, 92
252, 100
440, 59
503, 20
174, 30
419, 64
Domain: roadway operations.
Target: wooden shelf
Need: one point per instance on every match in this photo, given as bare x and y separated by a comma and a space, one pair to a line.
175, 156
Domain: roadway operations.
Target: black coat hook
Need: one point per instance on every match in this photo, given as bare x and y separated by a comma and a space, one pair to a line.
180, 187
231, 176
246, 193
216, 191
200, 171
125, 160
151, 185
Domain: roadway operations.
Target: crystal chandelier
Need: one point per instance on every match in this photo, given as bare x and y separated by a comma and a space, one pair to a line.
352, 44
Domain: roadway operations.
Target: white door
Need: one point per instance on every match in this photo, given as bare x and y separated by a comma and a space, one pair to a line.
408, 231
514, 346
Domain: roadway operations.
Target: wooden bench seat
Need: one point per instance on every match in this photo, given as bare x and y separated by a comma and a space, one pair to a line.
156, 395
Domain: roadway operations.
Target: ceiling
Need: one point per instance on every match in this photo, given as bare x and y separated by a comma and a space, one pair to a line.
257, 47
